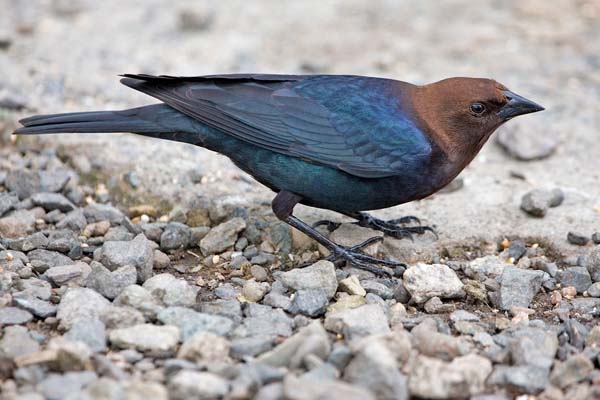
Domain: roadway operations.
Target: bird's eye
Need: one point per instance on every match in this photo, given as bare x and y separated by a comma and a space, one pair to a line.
478, 109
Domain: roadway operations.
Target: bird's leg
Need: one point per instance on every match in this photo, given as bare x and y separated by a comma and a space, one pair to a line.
283, 206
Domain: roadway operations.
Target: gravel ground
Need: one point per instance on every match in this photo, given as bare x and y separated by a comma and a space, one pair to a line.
134, 268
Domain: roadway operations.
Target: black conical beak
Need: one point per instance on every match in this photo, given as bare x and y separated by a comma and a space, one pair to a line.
516, 106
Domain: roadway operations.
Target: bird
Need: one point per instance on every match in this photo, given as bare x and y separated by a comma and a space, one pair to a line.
345, 143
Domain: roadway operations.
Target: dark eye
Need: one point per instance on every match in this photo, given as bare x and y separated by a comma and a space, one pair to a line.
477, 108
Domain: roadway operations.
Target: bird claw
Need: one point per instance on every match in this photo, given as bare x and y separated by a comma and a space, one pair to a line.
364, 261
395, 227
329, 225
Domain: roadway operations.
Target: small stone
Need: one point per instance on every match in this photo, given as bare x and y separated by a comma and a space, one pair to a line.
41, 260
227, 308
517, 249
23, 182
222, 237
578, 277
319, 276
66, 274
52, 201
425, 281
518, 287
594, 290
39, 308
259, 273
575, 369
358, 322
121, 317
118, 234
595, 237
96, 229
205, 347
80, 304
592, 263
187, 384
432, 343
379, 289
485, 267
526, 378
277, 300
375, 368
569, 292
537, 201
110, 284
141, 299
191, 322
66, 242
154, 339
309, 302
17, 342
436, 306
138, 253
292, 353
172, 291
8, 201
254, 291
96, 212
268, 323
75, 221
435, 379
309, 389
91, 332
14, 316
251, 346
577, 239
161, 260
346, 303
351, 285
70, 355
59, 387
17, 224
175, 236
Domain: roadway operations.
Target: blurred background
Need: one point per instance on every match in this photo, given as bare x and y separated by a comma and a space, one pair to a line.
61, 55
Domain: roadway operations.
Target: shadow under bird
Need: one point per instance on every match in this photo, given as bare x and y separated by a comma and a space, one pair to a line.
338, 142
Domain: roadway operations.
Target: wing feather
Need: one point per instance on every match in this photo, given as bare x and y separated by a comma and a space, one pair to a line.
351, 123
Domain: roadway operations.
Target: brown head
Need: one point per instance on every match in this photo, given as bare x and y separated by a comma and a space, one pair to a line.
460, 114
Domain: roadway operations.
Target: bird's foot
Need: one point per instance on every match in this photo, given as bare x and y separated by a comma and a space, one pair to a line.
329, 225
354, 256
396, 228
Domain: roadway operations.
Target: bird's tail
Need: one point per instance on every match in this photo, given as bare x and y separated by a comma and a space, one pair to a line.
142, 120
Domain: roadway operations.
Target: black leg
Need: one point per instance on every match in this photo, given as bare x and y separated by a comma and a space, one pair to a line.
283, 206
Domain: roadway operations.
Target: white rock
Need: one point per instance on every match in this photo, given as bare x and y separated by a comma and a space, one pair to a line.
424, 281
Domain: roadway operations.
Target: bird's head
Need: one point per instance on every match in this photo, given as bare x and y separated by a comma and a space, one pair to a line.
462, 113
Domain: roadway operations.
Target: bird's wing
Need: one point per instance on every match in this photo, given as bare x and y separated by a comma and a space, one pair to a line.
351, 123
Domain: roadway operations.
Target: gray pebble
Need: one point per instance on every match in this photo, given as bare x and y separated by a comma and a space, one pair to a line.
577, 239
310, 302
52, 201
39, 308
578, 277
14, 316
175, 236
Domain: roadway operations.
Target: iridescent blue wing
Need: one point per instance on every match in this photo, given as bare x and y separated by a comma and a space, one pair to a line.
355, 124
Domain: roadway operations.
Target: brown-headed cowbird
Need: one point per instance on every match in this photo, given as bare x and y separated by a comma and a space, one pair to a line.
344, 143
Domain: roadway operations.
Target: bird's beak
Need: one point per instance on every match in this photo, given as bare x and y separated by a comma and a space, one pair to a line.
516, 106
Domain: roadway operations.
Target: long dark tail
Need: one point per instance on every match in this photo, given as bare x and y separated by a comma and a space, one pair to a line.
147, 120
